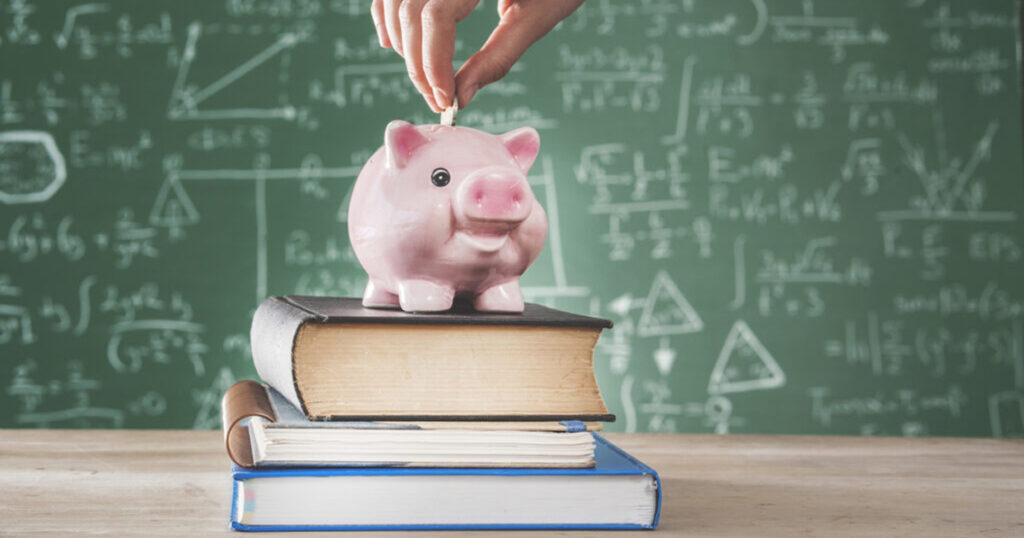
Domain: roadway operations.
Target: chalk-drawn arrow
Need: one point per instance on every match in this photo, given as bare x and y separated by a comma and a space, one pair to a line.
664, 357
622, 304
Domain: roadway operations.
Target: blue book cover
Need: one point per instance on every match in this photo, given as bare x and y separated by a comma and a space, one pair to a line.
611, 462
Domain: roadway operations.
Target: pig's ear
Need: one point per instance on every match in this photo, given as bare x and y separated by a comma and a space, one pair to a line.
400, 141
523, 143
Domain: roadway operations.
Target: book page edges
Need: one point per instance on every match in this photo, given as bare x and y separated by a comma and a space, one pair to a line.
348, 358
242, 400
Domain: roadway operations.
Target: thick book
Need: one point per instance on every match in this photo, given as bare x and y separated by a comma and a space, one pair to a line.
263, 429
620, 492
336, 360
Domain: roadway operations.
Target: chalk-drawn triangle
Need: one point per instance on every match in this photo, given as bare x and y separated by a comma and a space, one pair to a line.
186, 99
666, 311
744, 364
173, 208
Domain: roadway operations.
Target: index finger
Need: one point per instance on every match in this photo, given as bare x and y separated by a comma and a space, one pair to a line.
439, 51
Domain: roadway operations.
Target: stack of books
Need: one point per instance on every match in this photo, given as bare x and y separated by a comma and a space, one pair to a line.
372, 419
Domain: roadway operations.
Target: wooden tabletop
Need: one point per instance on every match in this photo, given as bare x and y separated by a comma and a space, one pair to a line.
177, 483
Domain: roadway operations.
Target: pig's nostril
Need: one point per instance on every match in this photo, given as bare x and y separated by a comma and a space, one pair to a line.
497, 199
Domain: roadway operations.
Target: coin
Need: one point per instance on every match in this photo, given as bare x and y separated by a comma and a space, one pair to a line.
448, 115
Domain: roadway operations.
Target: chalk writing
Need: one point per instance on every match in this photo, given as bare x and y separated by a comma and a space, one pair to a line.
801, 215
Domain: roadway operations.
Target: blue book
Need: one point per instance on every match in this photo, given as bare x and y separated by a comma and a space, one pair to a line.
618, 493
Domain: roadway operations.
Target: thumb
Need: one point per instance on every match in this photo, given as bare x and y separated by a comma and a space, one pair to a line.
522, 23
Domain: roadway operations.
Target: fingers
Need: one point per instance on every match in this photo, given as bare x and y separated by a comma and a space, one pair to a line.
377, 12
423, 33
392, 24
522, 23
409, 14
438, 51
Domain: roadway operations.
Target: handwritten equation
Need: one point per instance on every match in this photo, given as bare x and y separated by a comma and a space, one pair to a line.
803, 216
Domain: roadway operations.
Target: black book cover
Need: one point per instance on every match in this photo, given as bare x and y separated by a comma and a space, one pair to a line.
351, 310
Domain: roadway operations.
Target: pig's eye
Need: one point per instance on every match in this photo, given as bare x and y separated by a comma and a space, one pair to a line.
440, 177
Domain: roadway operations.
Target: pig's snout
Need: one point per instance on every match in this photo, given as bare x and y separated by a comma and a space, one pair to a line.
496, 197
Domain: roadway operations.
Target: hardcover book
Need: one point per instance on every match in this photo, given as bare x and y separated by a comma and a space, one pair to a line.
263, 429
336, 360
618, 493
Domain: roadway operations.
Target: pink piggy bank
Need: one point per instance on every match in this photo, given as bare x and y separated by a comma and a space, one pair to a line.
443, 212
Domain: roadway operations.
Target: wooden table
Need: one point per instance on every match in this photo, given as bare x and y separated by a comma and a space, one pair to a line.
176, 483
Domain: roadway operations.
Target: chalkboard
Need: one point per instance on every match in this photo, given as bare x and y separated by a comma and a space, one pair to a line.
802, 216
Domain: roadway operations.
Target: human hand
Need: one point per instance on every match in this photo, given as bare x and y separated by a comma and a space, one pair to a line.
423, 33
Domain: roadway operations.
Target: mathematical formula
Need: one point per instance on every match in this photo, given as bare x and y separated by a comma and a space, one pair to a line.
802, 215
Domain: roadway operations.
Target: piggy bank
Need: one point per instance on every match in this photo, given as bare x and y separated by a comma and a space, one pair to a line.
440, 213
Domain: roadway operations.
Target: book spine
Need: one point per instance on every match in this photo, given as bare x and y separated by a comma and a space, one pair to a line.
272, 337
242, 400
643, 467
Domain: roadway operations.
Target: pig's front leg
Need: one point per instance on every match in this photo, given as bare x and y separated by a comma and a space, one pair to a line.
376, 296
501, 298
424, 296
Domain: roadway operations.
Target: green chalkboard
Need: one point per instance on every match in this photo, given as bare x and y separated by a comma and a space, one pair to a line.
802, 216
